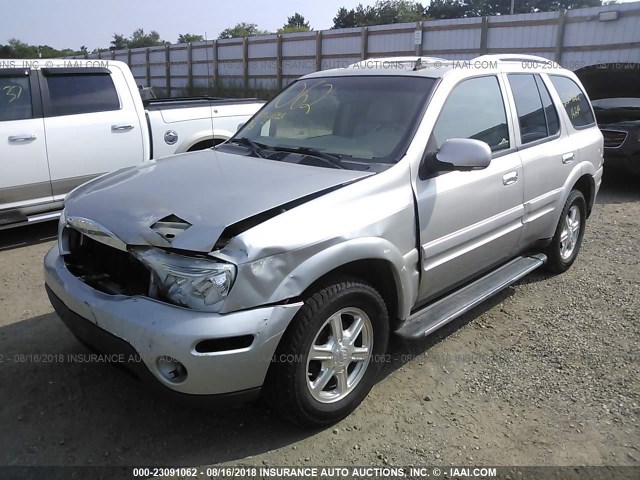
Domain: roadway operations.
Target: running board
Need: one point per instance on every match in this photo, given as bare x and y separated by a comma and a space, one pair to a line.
434, 316
22, 220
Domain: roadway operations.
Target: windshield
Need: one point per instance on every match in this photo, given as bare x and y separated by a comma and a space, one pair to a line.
366, 119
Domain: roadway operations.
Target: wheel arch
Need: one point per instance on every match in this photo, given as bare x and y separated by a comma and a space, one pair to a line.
207, 143
373, 271
373, 260
587, 186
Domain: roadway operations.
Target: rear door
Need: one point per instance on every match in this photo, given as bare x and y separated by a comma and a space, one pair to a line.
470, 220
92, 125
547, 151
24, 172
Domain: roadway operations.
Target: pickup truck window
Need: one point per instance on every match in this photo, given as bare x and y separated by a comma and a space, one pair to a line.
82, 93
474, 109
574, 101
15, 98
537, 116
361, 118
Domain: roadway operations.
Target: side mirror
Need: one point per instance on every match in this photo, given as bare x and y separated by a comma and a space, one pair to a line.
463, 154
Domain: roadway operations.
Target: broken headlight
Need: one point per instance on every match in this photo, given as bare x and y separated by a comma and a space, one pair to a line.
196, 283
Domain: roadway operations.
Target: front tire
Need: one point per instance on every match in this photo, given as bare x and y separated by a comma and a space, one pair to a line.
566, 242
330, 356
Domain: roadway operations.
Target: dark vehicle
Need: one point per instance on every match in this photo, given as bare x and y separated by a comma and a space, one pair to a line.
614, 89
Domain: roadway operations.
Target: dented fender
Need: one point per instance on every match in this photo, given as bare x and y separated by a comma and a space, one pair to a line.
270, 280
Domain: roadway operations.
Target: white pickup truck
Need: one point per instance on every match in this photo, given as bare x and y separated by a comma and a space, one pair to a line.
64, 122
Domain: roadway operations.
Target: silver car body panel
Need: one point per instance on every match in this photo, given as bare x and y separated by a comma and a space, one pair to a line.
432, 233
370, 219
156, 329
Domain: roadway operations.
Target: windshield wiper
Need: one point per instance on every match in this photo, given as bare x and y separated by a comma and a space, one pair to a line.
327, 157
256, 148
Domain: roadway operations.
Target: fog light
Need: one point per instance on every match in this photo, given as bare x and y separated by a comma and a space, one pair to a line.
172, 369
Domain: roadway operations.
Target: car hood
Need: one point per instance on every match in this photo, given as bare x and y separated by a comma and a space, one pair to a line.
187, 201
610, 80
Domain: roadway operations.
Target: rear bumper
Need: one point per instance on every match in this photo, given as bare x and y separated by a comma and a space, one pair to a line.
146, 330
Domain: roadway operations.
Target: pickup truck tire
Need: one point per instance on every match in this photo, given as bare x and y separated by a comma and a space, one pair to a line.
330, 356
565, 245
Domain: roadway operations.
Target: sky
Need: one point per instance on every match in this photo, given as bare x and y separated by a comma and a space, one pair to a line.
92, 23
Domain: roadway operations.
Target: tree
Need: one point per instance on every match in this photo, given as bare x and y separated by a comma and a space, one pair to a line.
243, 29
344, 18
138, 39
19, 49
383, 12
440, 9
295, 23
476, 8
119, 42
297, 20
398, 11
190, 38
401, 11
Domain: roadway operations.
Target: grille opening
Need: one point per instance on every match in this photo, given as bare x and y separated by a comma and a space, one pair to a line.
105, 268
212, 345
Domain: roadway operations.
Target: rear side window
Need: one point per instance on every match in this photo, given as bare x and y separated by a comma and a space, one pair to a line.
15, 98
550, 112
474, 109
74, 94
574, 101
537, 116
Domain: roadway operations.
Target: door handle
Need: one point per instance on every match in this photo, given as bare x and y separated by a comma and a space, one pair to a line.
22, 138
568, 158
509, 178
121, 128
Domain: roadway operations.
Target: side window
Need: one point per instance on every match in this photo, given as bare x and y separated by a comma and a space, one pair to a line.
550, 112
474, 109
574, 101
82, 93
15, 98
533, 125
537, 115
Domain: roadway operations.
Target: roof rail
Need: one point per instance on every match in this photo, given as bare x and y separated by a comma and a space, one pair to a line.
410, 60
510, 57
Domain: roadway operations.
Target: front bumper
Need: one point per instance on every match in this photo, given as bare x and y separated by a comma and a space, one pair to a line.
153, 329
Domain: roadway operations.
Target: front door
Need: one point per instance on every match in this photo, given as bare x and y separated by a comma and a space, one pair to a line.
470, 220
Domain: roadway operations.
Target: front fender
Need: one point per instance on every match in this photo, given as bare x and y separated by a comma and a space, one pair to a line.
202, 135
271, 280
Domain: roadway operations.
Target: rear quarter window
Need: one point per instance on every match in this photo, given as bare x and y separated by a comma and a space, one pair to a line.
574, 100
75, 94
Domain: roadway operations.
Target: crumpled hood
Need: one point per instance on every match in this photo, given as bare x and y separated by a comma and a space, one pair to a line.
210, 190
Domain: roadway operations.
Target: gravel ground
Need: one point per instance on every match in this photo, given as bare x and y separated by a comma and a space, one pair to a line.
546, 373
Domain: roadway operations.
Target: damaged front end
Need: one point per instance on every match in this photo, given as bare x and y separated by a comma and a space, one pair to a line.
98, 258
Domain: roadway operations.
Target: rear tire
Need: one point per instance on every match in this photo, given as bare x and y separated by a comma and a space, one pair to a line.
566, 243
329, 357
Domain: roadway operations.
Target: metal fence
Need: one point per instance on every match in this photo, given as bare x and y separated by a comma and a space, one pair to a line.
573, 38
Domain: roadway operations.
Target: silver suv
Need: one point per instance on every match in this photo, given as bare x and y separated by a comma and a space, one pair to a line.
387, 197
